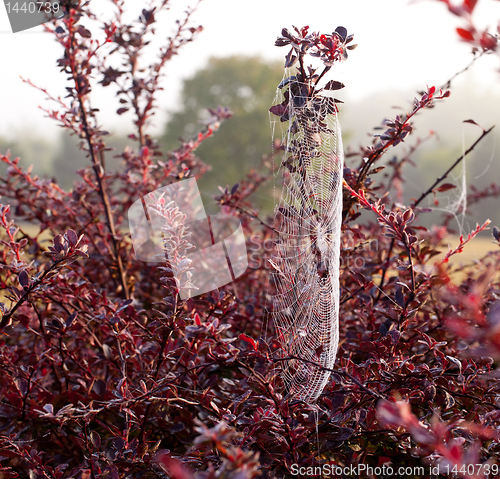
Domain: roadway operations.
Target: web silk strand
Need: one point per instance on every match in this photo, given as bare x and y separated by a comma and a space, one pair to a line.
307, 253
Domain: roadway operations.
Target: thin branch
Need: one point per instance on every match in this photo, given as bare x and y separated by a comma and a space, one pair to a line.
350, 296
160, 360
252, 215
99, 173
343, 373
476, 57
384, 272
27, 292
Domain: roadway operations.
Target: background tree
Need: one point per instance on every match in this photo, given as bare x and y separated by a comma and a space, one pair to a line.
247, 86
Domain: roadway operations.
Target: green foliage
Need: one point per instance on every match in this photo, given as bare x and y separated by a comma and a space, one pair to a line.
246, 85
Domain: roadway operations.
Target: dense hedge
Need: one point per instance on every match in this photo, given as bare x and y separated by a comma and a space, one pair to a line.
106, 372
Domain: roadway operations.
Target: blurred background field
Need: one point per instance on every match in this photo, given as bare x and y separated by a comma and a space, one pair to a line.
473, 251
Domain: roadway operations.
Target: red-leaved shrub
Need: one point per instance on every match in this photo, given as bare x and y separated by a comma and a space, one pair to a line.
106, 372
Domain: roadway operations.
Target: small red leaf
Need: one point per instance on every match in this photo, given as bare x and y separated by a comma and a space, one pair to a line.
249, 340
7, 472
469, 5
488, 41
279, 110
72, 238
281, 42
472, 122
175, 468
24, 280
334, 85
70, 319
445, 187
290, 59
466, 34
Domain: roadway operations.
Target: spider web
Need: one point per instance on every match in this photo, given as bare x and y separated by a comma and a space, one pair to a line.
454, 202
305, 262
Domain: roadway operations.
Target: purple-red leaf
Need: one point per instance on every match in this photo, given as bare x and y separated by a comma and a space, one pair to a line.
445, 187
334, 85
465, 34
24, 279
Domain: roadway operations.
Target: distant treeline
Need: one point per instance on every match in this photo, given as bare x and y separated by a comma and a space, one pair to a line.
242, 141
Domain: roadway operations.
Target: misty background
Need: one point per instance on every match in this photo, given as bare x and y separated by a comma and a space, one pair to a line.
403, 47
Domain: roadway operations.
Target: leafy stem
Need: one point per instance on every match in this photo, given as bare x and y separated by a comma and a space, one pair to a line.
82, 89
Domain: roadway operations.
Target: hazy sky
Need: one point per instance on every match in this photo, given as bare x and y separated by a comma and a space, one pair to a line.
402, 46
